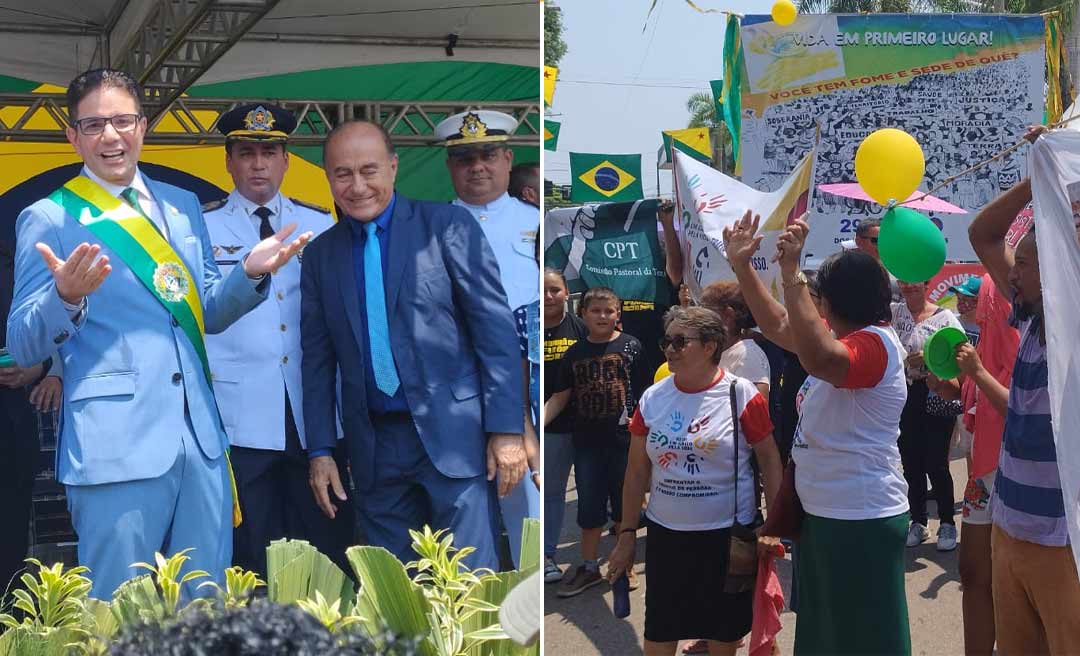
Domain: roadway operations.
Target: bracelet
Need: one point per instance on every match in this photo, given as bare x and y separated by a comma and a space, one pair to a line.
628, 530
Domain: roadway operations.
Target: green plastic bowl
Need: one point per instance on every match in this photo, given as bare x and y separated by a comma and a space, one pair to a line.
939, 352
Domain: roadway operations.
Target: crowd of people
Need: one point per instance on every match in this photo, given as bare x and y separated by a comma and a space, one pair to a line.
825, 406
251, 369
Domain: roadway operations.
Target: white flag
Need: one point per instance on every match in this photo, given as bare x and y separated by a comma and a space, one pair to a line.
709, 201
1055, 186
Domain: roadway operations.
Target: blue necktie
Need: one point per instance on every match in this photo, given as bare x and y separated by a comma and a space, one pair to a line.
382, 358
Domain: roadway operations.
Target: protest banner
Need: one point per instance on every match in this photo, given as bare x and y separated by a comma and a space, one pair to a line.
709, 201
612, 245
964, 86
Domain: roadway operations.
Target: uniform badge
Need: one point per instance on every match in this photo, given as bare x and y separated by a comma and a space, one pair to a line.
259, 118
171, 282
231, 249
216, 250
472, 127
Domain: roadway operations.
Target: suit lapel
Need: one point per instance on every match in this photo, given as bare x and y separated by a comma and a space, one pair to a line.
341, 266
401, 236
175, 219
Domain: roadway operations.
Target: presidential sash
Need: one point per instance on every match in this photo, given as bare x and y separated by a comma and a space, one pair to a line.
137, 242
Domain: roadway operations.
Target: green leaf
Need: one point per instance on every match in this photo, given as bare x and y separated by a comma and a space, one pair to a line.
387, 594
529, 557
493, 632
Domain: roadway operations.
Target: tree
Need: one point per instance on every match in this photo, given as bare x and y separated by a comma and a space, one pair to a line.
703, 115
554, 46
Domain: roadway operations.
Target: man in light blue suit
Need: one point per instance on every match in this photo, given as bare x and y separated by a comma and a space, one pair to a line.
404, 298
142, 449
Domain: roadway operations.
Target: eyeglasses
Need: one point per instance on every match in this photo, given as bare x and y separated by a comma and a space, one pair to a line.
872, 240
677, 343
95, 125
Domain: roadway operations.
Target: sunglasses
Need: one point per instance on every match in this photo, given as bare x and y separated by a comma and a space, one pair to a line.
678, 342
94, 125
469, 155
872, 240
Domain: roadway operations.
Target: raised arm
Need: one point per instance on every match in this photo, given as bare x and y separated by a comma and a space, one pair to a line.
987, 232
673, 251
741, 242
821, 354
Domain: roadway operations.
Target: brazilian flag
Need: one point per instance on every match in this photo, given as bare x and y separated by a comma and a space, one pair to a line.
551, 135
603, 178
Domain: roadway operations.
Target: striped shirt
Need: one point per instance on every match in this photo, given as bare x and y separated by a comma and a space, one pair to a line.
1028, 503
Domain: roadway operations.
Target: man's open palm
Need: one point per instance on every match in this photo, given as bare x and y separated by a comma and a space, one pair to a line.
272, 253
80, 274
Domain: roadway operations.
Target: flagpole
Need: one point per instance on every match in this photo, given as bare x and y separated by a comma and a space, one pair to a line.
658, 174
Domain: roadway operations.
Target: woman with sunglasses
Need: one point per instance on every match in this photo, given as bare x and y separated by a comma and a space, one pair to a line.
851, 546
683, 440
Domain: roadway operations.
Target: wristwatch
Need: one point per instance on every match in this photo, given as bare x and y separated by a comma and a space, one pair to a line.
799, 279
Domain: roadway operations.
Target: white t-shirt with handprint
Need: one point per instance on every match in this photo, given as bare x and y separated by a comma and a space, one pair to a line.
689, 438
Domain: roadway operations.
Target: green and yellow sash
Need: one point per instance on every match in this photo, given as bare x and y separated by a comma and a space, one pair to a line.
151, 258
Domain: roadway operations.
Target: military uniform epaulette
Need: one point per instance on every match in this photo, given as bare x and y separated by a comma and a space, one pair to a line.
215, 204
310, 206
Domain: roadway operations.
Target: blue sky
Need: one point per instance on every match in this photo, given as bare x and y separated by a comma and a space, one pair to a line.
619, 87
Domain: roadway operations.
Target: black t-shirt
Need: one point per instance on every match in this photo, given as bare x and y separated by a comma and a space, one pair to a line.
648, 327
556, 342
607, 380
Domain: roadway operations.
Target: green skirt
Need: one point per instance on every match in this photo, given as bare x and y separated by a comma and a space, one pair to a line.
851, 587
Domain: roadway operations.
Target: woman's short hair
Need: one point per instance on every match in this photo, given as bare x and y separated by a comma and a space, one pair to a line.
726, 293
856, 288
707, 323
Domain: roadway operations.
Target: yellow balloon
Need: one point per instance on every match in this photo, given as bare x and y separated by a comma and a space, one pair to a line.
661, 373
784, 12
889, 165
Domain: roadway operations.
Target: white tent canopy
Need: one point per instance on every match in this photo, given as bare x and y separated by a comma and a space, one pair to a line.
53, 40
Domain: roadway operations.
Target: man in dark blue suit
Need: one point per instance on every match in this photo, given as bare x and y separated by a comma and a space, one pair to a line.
402, 299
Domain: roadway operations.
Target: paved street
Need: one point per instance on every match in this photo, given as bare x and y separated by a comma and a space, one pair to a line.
584, 625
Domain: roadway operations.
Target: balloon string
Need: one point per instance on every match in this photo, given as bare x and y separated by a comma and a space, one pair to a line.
1016, 146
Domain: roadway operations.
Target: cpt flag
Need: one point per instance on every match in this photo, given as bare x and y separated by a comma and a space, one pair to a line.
602, 178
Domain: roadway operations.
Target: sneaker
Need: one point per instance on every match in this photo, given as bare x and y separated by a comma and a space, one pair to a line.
917, 534
946, 537
582, 580
552, 572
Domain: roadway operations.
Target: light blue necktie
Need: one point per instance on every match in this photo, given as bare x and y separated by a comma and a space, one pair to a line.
382, 358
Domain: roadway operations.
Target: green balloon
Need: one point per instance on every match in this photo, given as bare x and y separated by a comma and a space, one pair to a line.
911, 246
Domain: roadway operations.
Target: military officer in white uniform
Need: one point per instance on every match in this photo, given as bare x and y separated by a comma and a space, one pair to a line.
479, 160
256, 361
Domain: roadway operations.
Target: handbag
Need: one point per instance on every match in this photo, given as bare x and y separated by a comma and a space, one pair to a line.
742, 564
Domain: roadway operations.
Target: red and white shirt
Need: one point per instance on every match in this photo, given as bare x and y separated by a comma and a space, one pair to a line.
689, 436
847, 460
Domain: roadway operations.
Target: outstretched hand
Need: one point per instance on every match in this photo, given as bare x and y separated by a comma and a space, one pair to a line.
789, 245
272, 253
742, 240
80, 274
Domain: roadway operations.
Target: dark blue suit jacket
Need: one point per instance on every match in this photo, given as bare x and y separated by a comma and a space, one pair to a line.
451, 331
